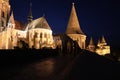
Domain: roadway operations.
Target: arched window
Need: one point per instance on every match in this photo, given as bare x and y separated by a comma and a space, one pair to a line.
40, 35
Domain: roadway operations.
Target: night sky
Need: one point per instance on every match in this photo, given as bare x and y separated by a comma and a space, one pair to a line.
96, 17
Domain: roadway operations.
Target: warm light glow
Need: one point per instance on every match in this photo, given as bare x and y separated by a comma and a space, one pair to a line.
40, 38
38, 34
102, 47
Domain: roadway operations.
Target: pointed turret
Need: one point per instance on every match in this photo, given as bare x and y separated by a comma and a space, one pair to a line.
73, 26
103, 48
103, 40
91, 41
99, 42
11, 19
30, 17
91, 46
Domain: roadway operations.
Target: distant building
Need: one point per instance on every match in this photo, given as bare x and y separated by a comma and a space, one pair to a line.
102, 48
38, 34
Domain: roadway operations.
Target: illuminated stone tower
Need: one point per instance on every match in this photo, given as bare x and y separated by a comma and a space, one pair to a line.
12, 40
11, 21
4, 13
91, 46
103, 48
73, 29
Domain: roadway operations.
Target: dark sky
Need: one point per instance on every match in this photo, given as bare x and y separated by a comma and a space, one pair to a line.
96, 17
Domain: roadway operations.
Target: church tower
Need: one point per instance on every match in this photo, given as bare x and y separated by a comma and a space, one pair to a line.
9, 32
73, 29
11, 21
30, 17
4, 13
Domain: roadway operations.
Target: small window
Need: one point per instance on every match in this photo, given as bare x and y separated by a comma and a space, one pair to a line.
3, 14
40, 35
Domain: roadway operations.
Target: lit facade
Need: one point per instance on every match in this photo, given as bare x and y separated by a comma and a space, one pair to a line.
102, 48
38, 34
74, 30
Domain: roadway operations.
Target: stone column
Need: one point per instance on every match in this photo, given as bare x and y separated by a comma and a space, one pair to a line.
30, 40
37, 41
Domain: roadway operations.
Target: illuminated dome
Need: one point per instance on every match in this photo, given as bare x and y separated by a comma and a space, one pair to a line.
38, 23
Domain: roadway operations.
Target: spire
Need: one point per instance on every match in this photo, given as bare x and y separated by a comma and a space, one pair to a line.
91, 46
91, 41
103, 40
99, 41
73, 26
30, 17
11, 19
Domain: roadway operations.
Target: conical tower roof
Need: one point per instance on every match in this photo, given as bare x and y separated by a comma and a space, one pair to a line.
99, 41
11, 19
103, 40
91, 41
73, 26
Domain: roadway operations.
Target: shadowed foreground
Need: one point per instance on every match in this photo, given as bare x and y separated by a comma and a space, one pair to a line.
90, 66
85, 66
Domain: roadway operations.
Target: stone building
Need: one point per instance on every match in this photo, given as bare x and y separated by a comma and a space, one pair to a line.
8, 36
4, 14
101, 48
38, 34
74, 30
91, 45
73, 36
